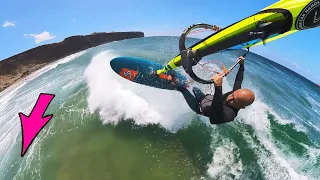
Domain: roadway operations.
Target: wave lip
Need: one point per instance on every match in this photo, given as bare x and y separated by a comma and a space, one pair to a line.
117, 98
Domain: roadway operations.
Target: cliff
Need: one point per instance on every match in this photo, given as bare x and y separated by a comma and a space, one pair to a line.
19, 66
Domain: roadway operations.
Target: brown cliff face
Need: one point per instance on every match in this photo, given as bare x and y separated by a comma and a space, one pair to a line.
20, 65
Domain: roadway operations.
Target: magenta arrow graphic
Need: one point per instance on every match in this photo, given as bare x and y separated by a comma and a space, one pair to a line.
31, 125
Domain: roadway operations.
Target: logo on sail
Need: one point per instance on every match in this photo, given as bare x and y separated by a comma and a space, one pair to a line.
309, 16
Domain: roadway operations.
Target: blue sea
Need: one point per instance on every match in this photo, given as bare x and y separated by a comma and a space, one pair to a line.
106, 127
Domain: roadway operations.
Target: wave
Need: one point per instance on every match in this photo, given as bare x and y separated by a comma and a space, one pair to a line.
19, 99
118, 99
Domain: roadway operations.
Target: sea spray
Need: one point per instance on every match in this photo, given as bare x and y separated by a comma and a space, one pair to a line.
117, 98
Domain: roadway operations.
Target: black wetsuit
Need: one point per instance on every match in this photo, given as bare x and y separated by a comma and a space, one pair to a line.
214, 106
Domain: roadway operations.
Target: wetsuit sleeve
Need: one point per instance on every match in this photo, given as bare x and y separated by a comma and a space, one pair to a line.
218, 112
239, 78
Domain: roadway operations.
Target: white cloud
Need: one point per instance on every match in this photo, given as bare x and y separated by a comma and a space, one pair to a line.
296, 65
8, 24
45, 36
74, 21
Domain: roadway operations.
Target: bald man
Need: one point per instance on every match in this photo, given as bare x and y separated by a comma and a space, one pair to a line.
220, 108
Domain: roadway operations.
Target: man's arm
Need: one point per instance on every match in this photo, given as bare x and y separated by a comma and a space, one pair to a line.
218, 113
239, 77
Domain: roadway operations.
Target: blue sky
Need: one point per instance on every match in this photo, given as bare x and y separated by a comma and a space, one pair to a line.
27, 24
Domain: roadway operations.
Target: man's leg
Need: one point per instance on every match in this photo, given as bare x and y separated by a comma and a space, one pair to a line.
190, 99
198, 93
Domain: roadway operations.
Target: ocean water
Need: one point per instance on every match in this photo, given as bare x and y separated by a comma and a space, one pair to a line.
105, 127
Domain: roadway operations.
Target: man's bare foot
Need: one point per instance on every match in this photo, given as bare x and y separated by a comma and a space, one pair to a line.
175, 82
172, 78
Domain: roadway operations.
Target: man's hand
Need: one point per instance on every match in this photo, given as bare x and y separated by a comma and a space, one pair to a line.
216, 28
241, 60
227, 72
218, 79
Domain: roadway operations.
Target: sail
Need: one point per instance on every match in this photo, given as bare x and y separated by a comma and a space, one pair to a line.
271, 23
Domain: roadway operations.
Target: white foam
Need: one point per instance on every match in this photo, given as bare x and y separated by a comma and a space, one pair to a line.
10, 128
291, 162
116, 98
225, 163
275, 165
309, 164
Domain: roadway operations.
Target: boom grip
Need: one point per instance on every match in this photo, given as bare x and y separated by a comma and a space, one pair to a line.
189, 57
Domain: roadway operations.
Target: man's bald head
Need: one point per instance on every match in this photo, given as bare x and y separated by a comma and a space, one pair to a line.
241, 98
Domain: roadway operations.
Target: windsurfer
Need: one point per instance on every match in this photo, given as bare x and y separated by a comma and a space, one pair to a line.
220, 108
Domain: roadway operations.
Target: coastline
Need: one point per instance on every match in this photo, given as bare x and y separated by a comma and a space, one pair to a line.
20, 82
15, 69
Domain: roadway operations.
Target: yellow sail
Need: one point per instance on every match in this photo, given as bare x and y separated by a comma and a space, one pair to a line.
288, 16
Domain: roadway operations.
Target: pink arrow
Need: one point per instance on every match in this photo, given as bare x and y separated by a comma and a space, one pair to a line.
31, 125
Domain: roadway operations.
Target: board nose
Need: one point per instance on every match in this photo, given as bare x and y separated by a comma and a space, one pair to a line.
116, 64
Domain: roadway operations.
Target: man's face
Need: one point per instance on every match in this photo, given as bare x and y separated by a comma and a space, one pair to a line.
234, 100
